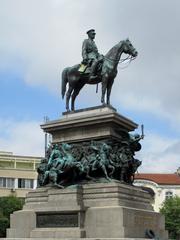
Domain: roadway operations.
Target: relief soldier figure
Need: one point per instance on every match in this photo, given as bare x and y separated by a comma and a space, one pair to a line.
42, 169
72, 163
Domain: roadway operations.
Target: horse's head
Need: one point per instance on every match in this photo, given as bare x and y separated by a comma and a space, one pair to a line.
106, 147
128, 48
66, 146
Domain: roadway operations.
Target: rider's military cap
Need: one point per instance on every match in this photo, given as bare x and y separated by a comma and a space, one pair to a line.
91, 30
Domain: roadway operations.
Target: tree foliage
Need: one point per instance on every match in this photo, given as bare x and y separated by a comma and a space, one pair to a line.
4, 224
171, 210
7, 206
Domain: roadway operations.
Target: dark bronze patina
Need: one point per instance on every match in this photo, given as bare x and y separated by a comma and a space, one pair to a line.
90, 161
56, 220
96, 69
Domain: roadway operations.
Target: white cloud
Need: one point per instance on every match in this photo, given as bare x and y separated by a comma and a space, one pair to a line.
42, 37
23, 138
163, 108
41, 34
159, 154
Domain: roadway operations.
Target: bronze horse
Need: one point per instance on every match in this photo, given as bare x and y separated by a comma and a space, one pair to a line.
77, 80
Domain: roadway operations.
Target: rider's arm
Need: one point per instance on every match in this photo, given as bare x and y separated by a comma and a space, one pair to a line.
51, 157
84, 49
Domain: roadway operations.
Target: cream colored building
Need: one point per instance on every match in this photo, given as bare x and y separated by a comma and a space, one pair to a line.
17, 174
163, 185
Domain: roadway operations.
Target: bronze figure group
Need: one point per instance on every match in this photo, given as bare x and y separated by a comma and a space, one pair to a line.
67, 164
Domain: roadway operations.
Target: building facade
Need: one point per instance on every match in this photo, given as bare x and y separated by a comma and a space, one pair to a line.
17, 174
162, 185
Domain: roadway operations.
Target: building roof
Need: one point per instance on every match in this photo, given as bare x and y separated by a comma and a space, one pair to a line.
10, 155
160, 178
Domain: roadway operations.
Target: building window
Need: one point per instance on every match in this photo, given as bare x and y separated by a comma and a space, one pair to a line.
168, 194
7, 182
25, 183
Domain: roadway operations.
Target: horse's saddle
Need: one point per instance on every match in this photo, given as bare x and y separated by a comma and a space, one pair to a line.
82, 68
86, 68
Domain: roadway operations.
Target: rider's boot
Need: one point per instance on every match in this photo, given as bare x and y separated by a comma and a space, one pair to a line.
92, 77
93, 71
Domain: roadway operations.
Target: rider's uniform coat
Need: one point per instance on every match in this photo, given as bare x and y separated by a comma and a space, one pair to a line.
89, 50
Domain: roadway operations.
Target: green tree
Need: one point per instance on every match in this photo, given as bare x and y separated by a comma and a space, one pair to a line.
171, 210
7, 206
4, 224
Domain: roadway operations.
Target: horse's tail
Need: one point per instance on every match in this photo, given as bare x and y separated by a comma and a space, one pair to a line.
64, 82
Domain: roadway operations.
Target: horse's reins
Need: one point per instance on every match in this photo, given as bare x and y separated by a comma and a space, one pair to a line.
130, 58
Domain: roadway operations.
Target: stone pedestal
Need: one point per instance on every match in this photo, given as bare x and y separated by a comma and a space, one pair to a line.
101, 210
96, 123
109, 210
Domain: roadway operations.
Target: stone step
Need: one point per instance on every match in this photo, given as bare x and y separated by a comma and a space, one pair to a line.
74, 239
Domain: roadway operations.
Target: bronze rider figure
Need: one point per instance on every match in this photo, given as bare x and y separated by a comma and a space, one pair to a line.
90, 53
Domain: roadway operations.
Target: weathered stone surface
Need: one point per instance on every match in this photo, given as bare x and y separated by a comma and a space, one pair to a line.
74, 238
92, 123
90, 144
105, 210
22, 223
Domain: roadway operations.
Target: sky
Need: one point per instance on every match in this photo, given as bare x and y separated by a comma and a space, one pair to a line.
39, 38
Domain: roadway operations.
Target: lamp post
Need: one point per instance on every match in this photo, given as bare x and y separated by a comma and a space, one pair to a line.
46, 119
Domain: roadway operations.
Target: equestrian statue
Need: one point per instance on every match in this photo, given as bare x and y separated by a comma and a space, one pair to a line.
95, 68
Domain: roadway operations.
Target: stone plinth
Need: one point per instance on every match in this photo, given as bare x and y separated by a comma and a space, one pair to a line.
92, 123
101, 210
108, 210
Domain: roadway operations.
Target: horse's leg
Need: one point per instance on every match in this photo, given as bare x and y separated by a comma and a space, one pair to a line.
109, 87
74, 95
104, 87
112, 170
68, 95
103, 167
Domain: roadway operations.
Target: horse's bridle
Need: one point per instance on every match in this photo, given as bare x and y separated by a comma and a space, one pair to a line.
130, 58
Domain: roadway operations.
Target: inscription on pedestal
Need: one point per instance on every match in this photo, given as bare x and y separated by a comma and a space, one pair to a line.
146, 221
46, 220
